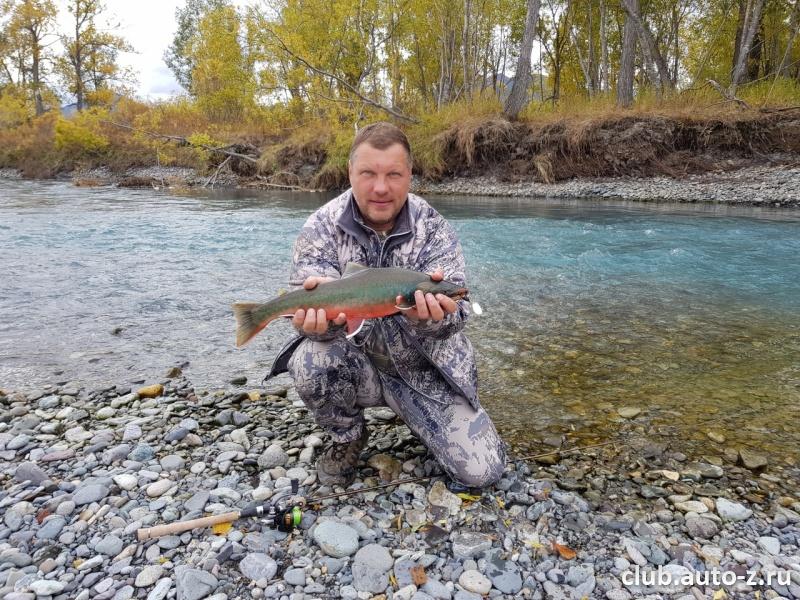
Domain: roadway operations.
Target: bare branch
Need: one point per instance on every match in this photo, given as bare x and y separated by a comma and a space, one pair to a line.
728, 94
341, 81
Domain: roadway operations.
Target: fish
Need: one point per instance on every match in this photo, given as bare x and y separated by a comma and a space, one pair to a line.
361, 293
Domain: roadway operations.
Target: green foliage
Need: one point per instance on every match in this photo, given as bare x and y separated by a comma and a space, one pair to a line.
179, 57
89, 65
81, 136
221, 81
16, 106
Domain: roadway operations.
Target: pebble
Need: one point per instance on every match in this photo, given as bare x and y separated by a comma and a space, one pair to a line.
475, 581
148, 576
258, 566
732, 511
370, 568
770, 545
336, 539
92, 497
89, 493
159, 487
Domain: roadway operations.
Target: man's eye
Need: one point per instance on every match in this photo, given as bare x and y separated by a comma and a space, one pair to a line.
367, 173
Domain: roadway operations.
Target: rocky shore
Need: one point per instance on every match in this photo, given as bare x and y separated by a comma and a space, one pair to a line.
775, 186
767, 186
82, 470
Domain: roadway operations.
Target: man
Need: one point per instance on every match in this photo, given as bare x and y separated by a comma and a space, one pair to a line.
419, 363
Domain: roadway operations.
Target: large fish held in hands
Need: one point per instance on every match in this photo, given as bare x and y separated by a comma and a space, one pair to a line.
361, 293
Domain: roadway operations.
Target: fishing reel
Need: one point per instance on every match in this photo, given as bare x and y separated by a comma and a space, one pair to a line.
277, 515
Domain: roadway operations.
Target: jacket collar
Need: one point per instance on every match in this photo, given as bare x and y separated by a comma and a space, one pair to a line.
351, 221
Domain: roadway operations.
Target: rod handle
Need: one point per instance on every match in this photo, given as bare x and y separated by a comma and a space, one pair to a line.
149, 533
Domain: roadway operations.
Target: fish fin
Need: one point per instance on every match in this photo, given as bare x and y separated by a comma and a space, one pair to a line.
353, 327
403, 306
352, 268
247, 325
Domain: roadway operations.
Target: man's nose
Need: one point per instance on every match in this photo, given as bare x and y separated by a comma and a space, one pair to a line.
380, 185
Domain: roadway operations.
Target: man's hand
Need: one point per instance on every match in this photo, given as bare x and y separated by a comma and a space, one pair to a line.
315, 320
428, 306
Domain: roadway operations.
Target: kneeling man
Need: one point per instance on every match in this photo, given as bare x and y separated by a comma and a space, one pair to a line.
418, 363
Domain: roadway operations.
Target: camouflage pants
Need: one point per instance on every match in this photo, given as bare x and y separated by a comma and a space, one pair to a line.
337, 380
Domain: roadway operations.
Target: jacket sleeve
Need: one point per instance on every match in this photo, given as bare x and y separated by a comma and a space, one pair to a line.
443, 251
315, 254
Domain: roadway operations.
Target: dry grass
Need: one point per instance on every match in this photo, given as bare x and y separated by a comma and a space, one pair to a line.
687, 132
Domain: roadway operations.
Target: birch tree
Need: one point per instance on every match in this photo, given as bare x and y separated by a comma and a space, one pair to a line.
519, 93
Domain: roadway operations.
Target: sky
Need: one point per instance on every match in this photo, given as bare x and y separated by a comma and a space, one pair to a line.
149, 26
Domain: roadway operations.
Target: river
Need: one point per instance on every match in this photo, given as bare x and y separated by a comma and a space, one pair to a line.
689, 313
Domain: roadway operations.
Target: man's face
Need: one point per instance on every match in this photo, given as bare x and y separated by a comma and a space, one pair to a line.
380, 180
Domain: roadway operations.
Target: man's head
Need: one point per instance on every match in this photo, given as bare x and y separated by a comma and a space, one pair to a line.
380, 173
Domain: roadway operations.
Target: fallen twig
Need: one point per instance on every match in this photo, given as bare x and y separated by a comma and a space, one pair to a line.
729, 97
185, 142
213, 178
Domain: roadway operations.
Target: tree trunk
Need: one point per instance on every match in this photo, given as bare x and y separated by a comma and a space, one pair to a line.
585, 66
751, 21
592, 55
631, 8
36, 77
604, 82
625, 77
740, 25
754, 54
794, 26
675, 42
519, 93
465, 46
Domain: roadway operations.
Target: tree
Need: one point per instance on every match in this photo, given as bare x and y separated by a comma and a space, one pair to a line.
89, 64
221, 80
178, 57
519, 93
749, 22
649, 43
30, 23
626, 68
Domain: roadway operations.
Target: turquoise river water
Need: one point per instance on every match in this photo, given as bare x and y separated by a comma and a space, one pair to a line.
691, 314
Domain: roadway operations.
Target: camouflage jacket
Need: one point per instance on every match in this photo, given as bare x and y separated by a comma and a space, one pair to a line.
436, 359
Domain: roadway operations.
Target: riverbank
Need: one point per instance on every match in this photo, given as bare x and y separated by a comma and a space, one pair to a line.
83, 469
771, 185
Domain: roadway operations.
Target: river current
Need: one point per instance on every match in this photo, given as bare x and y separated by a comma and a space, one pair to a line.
691, 314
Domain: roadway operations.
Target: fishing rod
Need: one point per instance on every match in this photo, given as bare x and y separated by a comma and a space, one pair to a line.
287, 517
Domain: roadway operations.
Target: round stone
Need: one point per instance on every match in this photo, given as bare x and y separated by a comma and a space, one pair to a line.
157, 488
475, 581
126, 481
258, 566
295, 576
370, 567
148, 576
732, 511
336, 539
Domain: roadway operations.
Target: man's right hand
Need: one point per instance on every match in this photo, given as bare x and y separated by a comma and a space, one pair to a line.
315, 320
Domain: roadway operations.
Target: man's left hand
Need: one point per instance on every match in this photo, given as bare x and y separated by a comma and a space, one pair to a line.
428, 306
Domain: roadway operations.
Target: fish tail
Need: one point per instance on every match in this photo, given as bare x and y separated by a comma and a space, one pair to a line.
247, 323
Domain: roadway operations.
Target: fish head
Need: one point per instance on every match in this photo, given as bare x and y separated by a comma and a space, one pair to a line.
447, 288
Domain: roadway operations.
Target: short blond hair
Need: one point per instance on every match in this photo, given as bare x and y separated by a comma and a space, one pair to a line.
380, 136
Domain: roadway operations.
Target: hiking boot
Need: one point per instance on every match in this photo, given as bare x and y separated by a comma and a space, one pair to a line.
338, 465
